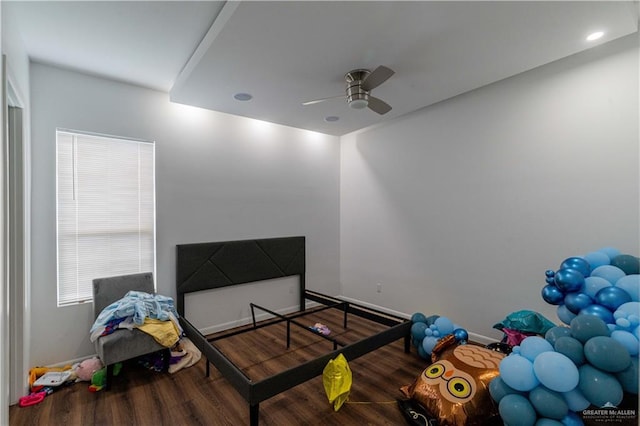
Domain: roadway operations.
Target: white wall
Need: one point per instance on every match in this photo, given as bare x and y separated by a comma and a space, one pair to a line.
218, 177
459, 209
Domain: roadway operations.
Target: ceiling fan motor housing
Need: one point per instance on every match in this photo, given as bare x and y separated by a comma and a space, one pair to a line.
357, 97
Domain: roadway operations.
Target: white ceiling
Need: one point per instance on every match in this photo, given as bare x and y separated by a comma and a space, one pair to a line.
285, 53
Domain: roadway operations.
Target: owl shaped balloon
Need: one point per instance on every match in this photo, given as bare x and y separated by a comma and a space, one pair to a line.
455, 387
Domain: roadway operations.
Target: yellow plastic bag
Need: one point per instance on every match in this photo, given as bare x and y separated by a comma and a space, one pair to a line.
336, 378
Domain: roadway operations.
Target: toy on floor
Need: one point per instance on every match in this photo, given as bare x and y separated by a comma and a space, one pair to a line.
36, 372
321, 328
84, 370
99, 378
454, 388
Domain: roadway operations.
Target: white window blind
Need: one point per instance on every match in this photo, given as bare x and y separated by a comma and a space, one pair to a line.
105, 211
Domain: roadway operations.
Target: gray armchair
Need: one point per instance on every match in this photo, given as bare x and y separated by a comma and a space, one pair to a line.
123, 344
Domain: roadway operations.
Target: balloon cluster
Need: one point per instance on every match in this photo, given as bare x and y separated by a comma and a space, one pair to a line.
426, 332
547, 380
603, 283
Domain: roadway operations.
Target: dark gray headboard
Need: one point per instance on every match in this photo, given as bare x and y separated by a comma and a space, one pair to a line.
204, 266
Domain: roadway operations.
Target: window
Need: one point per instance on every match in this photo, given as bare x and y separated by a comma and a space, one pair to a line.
105, 211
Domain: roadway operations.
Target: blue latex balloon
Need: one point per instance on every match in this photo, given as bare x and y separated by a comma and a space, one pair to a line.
630, 284
571, 348
429, 343
575, 400
417, 330
565, 315
549, 273
612, 297
444, 325
552, 294
421, 352
533, 346
555, 371
594, 284
575, 302
572, 419
517, 410
577, 263
498, 389
517, 373
419, 317
598, 387
548, 403
629, 378
584, 327
611, 252
600, 311
629, 264
607, 354
461, 334
596, 259
554, 333
608, 272
568, 280
628, 340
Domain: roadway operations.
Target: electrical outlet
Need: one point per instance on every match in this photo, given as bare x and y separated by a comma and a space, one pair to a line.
379, 288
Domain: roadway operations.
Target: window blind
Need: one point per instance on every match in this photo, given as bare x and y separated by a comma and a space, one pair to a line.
105, 211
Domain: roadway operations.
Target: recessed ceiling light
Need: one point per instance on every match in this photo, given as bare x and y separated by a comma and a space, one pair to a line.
594, 36
243, 97
331, 118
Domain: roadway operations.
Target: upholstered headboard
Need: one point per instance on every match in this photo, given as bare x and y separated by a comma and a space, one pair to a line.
204, 266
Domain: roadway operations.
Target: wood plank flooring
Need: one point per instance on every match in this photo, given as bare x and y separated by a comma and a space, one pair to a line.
142, 397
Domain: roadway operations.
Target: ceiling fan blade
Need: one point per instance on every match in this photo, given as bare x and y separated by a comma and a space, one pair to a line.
378, 105
315, 101
377, 77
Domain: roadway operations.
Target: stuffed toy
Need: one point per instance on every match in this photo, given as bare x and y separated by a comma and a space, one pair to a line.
84, 371
99, 378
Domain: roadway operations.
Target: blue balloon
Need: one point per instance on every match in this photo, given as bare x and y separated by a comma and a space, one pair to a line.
629, 378
584, 327
596, 259
461, 334
575, 302
612, 297
548, 403
598, 387
608, 272
611, 252
554, 333
565, 315
628, 340
498, 389
577, 263
556, 372
549, 273
517, 373
571, 348
572, 419
575, 400
629, 264
552, 294
594, 284
419, 317
547, 422
599, 311
630, 284
517, 410
428, 344
533, 346
417, 330
568, 280
607, 354
444, 325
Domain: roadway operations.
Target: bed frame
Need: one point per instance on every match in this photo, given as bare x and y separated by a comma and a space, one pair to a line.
205, 266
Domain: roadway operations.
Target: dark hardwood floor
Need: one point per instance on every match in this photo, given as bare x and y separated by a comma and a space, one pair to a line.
142, 397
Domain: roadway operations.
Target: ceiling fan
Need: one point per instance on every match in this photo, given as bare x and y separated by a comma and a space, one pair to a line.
360, 83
